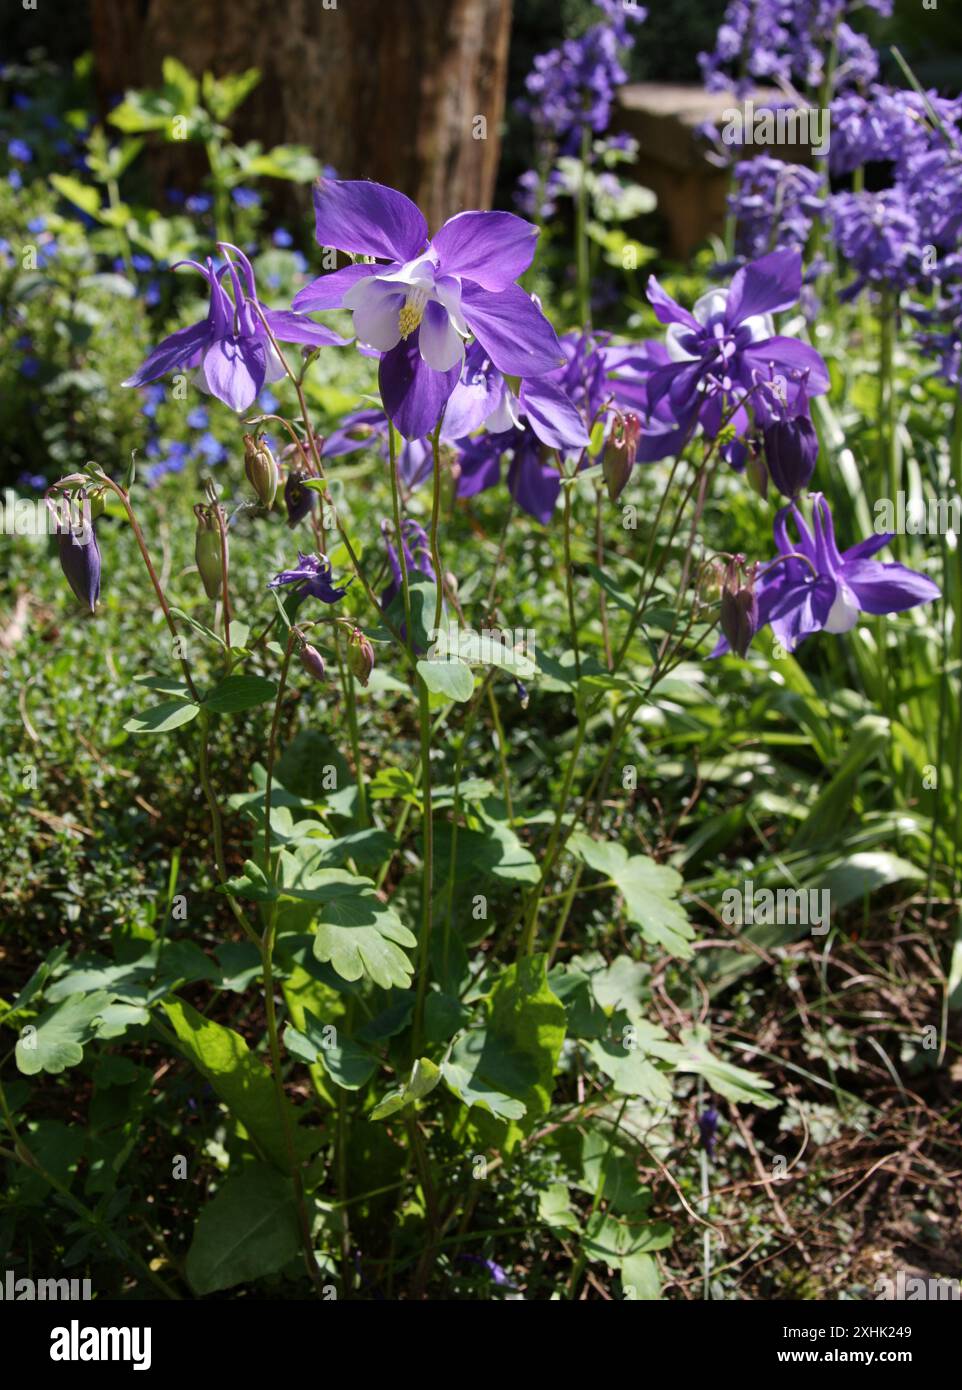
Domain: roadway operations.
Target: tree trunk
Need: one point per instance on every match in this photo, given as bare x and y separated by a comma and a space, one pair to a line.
408, 92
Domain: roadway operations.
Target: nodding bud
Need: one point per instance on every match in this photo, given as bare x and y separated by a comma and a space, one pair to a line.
791, 448
620, 452
207, 552
739, 605
298, 499
80, 553
312, 661
360, 656
261, 469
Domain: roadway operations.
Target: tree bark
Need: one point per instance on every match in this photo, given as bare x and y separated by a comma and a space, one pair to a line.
407, 92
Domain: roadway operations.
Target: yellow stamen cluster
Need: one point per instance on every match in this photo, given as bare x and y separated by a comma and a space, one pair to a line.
411, 312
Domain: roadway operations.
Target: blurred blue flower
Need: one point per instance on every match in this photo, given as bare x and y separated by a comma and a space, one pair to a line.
245, 198
20, 151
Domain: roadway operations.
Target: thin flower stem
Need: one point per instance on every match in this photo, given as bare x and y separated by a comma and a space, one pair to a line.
424, 720
272, 748
152, 573
502, 752
600, 562
435, 520
347, 685
570, 583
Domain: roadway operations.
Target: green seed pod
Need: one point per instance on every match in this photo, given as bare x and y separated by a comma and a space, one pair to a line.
207, 552
261, 469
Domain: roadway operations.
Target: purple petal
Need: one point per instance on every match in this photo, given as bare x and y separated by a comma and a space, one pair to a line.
234, 370
368, 219
513, 331
327, 291
865, 549
490, 248
475, 397
413, 394
294, 328
480, 464
887, 588
177, 350
533, 484
765, 286
553, 417
666, 309
802, 609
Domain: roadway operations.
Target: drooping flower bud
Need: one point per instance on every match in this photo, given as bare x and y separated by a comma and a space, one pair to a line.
360, 656
312, 661
620, 452
298, 499
261, 469
739, 606
791, 448
207, 550
80, 553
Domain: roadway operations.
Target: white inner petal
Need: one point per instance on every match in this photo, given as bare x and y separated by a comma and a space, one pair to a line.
676, 352
760, 326
440, 344
711, 303
376, 320
843, 614
506, 414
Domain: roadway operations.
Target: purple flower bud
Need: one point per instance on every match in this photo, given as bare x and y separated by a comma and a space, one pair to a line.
261, 469
620, 452
80, 559
360, 656
312, 661
791, 448
739, 606
298, 499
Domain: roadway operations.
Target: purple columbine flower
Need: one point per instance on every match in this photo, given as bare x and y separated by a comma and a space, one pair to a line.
725, 357
312, 576
231, 349
426, 297
811, 586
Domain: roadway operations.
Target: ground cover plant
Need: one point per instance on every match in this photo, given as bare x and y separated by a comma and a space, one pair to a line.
481, 704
